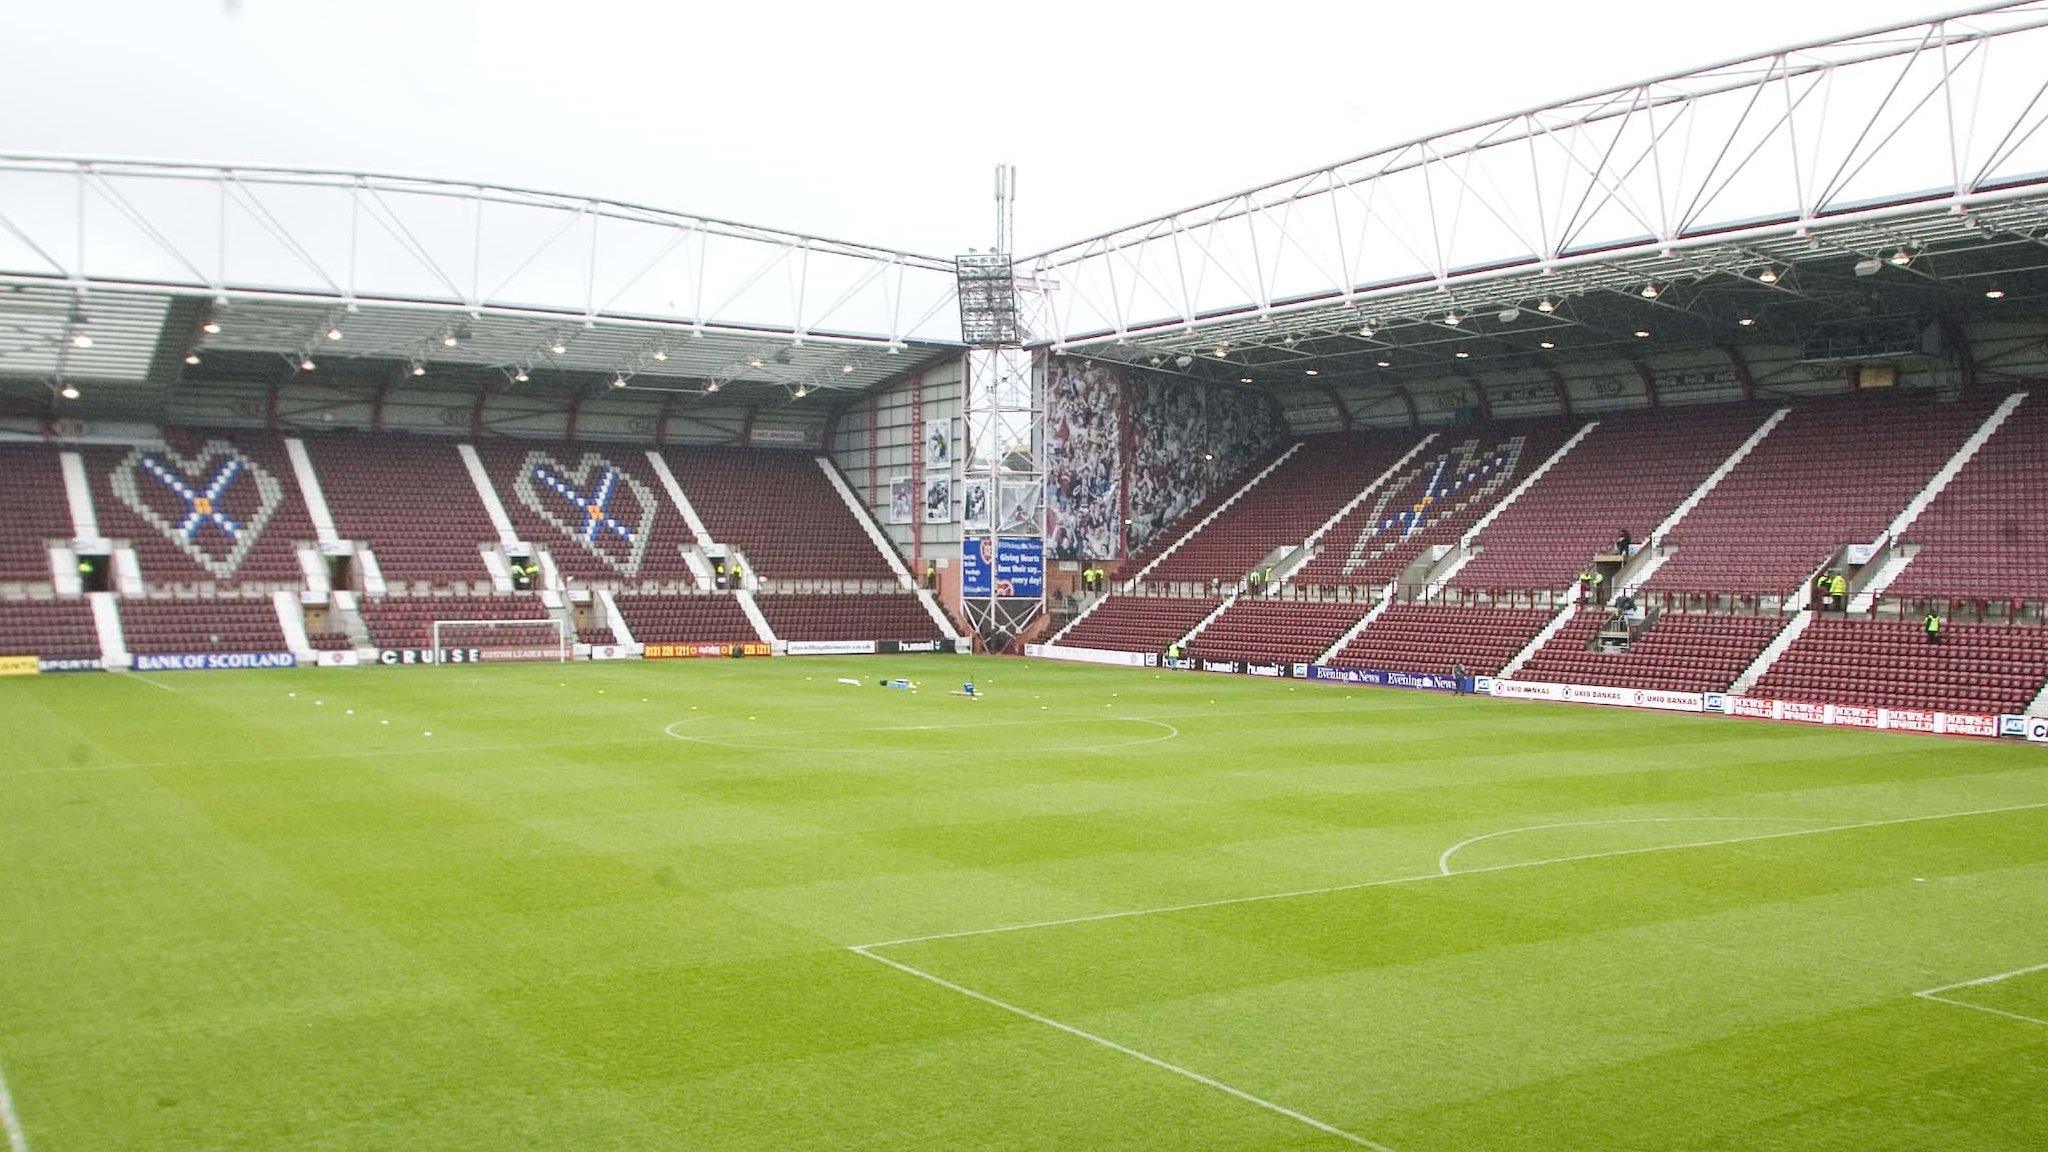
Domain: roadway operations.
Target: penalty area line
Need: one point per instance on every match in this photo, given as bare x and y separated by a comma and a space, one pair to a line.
1422, 877
1936, 994
1124, 1049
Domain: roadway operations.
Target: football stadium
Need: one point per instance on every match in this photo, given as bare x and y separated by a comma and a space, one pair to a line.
1533, 637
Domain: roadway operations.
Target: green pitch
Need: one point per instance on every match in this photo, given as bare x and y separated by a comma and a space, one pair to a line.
737, 905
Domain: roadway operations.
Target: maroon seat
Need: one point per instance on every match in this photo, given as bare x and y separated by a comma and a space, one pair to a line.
1976, 667
1139, 623
246, 522
218, 624
686, 619
1678, 653
807, 616
48, 628
780, 510
1433, 637
412, 500
35, 513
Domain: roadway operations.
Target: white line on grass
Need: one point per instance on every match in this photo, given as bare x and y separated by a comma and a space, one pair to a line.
1419, 877
1170, 733
1156, 1062
1935, 994
17, 1140
1443, 862
139, 678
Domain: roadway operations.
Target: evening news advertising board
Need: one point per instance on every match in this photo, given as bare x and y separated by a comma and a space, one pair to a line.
1012, 566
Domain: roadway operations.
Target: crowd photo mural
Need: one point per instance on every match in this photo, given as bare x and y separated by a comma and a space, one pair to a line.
1187, 437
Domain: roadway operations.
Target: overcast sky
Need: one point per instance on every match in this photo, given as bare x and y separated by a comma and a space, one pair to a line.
879, 122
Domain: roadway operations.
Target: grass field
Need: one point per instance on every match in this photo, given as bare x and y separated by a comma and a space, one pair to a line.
736, 905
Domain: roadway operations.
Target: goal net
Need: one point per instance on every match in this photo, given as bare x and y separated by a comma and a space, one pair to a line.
478, 641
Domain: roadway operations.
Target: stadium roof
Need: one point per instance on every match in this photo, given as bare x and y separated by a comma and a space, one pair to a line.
1831, 195
1883, 178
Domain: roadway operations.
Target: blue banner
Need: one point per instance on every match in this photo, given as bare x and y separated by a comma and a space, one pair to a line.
1002, 566
1428, 680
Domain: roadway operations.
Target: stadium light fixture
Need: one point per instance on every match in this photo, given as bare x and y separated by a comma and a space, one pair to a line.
618, 381
1901, 258
69, 392
1452, 318
1222, 350
754, 362
558, 348
1462, 354
1183, 360
846, 369
1747, 321
1868, 266
1650, 291
1366, 330
1546, 305
191, 357
334, 334
419, 369
449, 340
306, 364
1642, 333
711, 386
520, 377
1549, 344
1208, 455
1769, 275
1994, 294
1244, 379
660, 356
211, 327
80, 340
1313, 372
802, 391
1385, 363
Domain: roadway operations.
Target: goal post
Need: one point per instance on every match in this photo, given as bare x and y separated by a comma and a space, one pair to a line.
481, 641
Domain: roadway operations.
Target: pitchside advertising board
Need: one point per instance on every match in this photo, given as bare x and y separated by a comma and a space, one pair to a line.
197, 661
705, 651
1002, 566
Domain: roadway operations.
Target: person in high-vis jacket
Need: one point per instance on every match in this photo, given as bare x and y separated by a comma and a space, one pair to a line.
931, 575
1933, 625
1838, 588
718, 571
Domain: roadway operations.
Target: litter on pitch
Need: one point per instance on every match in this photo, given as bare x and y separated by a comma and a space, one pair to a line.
968, 690
848, 680
900, 684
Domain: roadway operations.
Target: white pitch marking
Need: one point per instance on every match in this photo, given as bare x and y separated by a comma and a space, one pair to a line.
139, 678
1171, 733
1419, 877
1104, 1041
17, 1140
1443, 862
1935, 994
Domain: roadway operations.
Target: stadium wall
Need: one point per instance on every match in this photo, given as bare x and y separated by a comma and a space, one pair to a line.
878, 439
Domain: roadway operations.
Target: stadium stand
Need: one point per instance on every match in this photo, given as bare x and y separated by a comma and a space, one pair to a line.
1985, 537
212, 624
693, 619
48, 628
1834, 473
818, 616
781, 511
1630, 473
1431, 637
216, 510
1281, 510
1138, 623
598, 510
34, 513
1678, 652
1442, 492
1277, 630
1154, 546
412, 500
1987, 668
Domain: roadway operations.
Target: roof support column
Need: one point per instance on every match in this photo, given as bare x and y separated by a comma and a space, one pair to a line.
1343, 409
1739, 365
1559, 389
1649, 382
1966, 357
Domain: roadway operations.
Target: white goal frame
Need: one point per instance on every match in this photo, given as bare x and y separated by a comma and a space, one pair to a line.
564, 643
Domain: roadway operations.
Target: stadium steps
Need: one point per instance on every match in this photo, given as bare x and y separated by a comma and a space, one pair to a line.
666, 477
1896, 530
1083, 614
754, 615
1364, 622
1228, 599
1719, 474
615, 619
1314, 544
488, 493
938, 614
291, 620
864, 515
1557, 624
106, 621
85, 522
1794, 629
310, 491
1204, 522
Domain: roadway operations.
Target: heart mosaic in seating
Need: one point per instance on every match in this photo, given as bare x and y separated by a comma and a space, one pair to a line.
214, 504
597, 504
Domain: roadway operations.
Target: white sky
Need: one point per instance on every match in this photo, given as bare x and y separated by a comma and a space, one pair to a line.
877, 122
